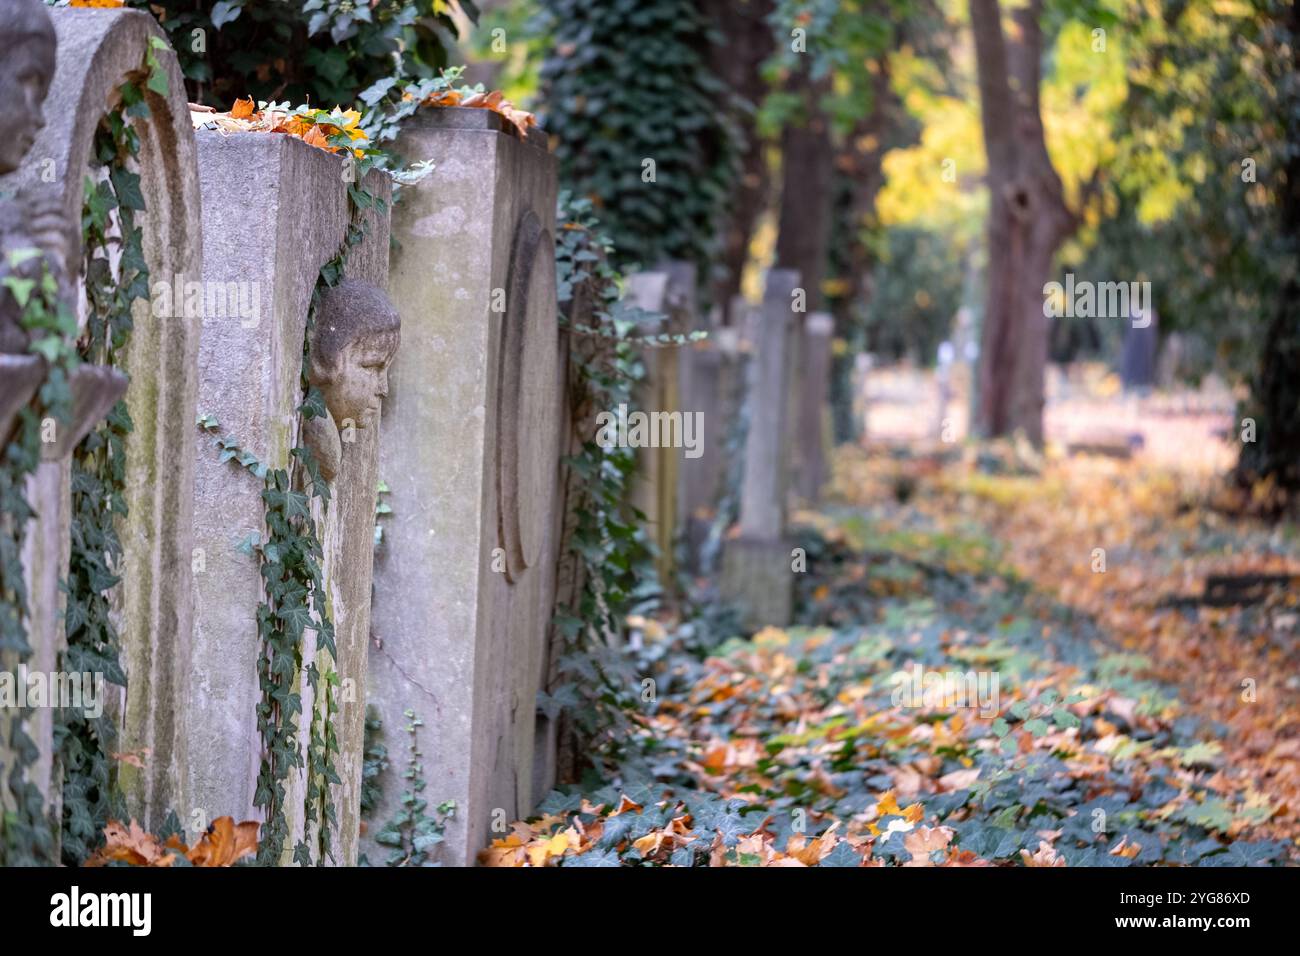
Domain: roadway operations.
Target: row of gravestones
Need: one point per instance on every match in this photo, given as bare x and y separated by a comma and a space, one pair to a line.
760, 392
442, 371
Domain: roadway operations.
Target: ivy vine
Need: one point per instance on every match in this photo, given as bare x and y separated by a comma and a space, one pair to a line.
596, 686
413, 833
113, 200
26, 835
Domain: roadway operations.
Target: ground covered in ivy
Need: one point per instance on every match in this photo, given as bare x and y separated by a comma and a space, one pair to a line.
1132, 725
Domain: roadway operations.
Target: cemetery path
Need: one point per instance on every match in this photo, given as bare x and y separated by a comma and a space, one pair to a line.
992, 665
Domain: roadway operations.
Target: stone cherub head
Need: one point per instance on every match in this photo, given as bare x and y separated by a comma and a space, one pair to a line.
36, 220
355, 337
27, 62
27, 49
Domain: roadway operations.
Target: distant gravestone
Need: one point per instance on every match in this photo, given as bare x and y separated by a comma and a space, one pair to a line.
97, 52
472, 442
757, 573
814, 406
654, 488
1138, 359
275, 210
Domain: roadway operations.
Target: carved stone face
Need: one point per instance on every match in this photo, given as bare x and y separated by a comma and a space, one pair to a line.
356, 337
357, 389
27, 48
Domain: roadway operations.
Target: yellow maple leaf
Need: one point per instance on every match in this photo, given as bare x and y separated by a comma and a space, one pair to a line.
543, 850
888, 804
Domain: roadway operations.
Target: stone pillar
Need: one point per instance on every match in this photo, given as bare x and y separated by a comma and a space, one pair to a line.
275, 210
756, 563
97, 52
472, 440
814, 392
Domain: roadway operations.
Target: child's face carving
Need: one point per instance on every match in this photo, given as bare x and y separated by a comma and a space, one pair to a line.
354, 340
25, 73
357, 388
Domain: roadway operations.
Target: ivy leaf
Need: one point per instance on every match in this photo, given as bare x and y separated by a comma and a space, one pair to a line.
297, 617
225, 11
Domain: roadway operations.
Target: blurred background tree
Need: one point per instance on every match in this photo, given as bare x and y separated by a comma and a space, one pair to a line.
640, 123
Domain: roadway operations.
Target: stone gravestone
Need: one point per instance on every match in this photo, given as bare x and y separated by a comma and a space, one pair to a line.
814, 404
662, 294
472, 440
1138, 357
712, 383
756, 572
275, 210
97, 52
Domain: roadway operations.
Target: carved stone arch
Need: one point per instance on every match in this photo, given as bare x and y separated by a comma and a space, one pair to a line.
98, 50
526, 415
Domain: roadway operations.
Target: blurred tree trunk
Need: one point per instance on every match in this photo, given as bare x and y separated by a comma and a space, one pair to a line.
1275, 452
861, 161
806, 167
746, 40
1028, 220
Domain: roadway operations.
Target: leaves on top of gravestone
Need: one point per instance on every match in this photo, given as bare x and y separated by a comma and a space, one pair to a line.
97, 4
334, 131
521, 120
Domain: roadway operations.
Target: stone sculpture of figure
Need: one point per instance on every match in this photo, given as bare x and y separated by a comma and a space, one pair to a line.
355, 338
27, 50
27, 63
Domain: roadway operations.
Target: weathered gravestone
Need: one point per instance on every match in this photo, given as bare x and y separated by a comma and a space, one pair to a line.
756, 573
472, 439
144, 224
729, 391
275, 211
712, 372
814, 403
668, 297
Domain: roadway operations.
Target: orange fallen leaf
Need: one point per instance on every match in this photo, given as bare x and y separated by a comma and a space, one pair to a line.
225, 843
923, 841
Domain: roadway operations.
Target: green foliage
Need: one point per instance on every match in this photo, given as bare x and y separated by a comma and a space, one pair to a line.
626, 82
318, 51
597, 685
917, 291
838, 39
26, 836
413, 834
113, 200
374, 761
1207, 90
290, 563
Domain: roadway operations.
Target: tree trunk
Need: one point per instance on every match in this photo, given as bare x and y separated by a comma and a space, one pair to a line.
861, 160
1275, 453
1028, 221
804, 228
747, 40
